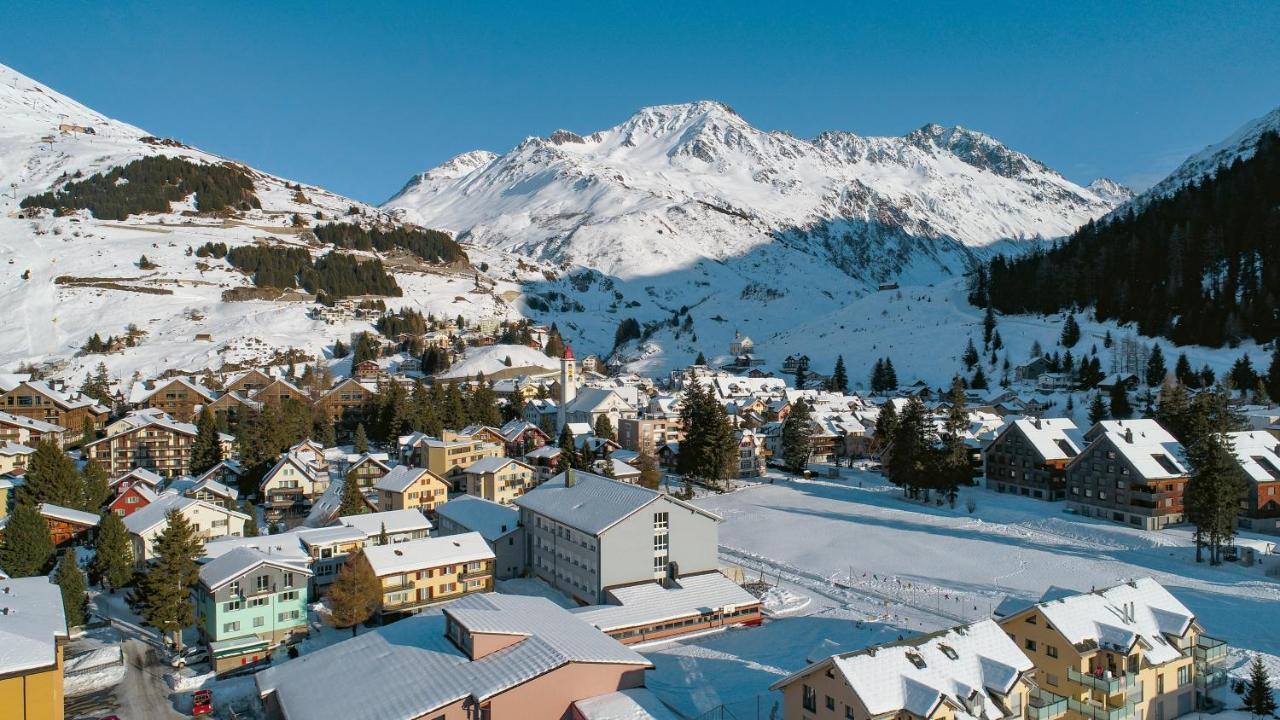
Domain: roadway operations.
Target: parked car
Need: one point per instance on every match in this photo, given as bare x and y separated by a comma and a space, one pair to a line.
202, 703
190, 656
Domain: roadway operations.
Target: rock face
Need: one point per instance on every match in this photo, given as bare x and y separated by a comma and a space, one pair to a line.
676, 184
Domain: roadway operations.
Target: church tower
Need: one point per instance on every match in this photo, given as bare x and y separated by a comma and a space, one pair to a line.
568, 386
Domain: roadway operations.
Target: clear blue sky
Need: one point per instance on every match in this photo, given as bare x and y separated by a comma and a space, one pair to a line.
359, 98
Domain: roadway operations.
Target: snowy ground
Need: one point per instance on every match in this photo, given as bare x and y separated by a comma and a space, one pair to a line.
876, 566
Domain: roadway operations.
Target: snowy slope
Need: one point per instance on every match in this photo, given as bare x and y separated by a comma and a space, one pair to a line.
52, 316
1240, 144
696, 181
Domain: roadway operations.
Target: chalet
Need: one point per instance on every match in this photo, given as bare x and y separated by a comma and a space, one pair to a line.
131, 499
68, 526
227, 472
14, 458
520, 436
347, 400
38, 400
180, 397
409, 488
136, 476
1128, 380
499, 525
366, 470
231, 406
290, 486
329, 548
29, 431
1032, 370
485, 433
208, 520
545, 461
1029, 457
1132, 472
366, 370
211, 490
246, 383
1258, 455
280, 391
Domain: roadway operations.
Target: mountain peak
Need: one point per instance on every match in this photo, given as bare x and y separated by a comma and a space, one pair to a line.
976, 148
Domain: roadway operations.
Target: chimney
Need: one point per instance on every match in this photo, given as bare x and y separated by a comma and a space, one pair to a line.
1128, 435
1036, 422
570, 478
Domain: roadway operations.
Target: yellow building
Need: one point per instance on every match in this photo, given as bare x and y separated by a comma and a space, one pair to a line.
448, 456
419, 573
1129, 651
499, 479
32, 633
971, 671
410, 488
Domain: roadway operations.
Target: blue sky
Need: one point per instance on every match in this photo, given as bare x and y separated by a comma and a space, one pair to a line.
359, 96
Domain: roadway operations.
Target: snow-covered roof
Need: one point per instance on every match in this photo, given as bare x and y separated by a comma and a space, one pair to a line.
1255, 451
546, 451
427, 553
190, 384
429, 670
39, 426
648, 603
400, 478
492, 520
491, 465
141, 474
1049, 436
633, 704
10, 449
593, 503
156, 513
395, 521
1141, 610
285, 547
208, 484
1150, 449
330, 535
590, 399
491, 359
917, 674
229, 566
78, 517
31, 622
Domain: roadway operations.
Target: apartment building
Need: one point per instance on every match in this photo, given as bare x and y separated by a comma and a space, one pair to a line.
1132, 651
448, 456
33, 632
1132, 472
411, 488
179, 397
207, 519
347, 400
499, 479
20, 430
1258, 454
485, 655
329, 548
649, 432
291, 485
398, 525
38, 400
499, 525
424, 572
1029, 457
587, 534
247, 602
970, 671
156, 443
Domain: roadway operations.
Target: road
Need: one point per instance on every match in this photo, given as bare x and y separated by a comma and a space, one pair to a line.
142, 695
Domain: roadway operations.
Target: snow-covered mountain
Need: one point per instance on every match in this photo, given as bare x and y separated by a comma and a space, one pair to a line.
63, 278
678, 183
1240, 144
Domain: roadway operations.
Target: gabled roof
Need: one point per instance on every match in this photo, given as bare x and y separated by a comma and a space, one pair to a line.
229, 566
77, 517
1049, 436
31, 623
593, 503
401, 478
32, 424
918, 674
492, 520
210, 485
395, 521
492, 464
142, 475
288, 459
182, 380
1150, 449
141, 490
1256, 453
156, 514
427, 552
1141, 610
591, 399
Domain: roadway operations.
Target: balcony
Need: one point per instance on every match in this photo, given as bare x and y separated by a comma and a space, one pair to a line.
1209, 652
1107, 683
1098, 712
256, 591
1210, 679
1044, 705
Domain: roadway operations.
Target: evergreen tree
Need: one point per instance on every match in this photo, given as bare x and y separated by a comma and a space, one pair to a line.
356, 594
797, 444
700, 360
87, 433
1120, 407
802, 371
1097, 409
483, 404
71, 582
988, 326
1037, 352
1173, 409
970, 355
886, 424
206, 450
362, 439
709, 448
1273, 373
27, 549
604, 428
251, 527
51, 478
352, 502
909, 459
839, 376
340, 349
112, 566
1070, 332
555, 344
979, 381
568, 449
877, 381
1183, 372
1155, 368
1212, 495
95, 487
1258, 698
953, 467
647, 464
890, 375
1243, 376
164, 594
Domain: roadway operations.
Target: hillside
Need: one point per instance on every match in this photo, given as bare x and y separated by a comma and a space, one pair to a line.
66, 274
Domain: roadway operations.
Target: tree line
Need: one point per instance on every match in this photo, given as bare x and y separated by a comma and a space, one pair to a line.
430, 245
330, 277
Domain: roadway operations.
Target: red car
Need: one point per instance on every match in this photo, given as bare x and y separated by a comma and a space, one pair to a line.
201, 703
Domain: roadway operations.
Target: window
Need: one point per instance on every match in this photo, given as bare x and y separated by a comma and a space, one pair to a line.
810, 699
660, 521
291, 595
262, 582
235, 587
1051, 679
831, 703
231, 606
1159, 684
291, 615
231, 626
848, 712
257, 602
1051, 651
660, 542
659, 563
1184, 676
1030, 645
259, 621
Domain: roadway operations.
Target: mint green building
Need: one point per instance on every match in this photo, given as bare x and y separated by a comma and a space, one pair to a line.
247, 602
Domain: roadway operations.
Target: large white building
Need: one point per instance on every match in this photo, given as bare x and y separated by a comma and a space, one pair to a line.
586, 533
